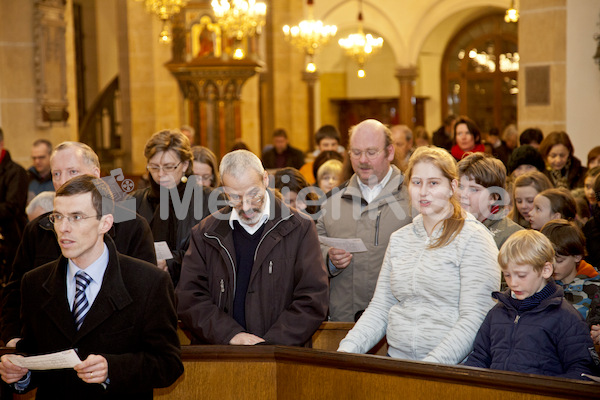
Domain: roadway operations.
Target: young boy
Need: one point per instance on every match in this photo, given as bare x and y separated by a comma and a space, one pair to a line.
482, 189
531, 329
327, 138
580, 281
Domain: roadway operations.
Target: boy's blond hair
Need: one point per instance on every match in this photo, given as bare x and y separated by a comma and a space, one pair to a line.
332, 166
527, 247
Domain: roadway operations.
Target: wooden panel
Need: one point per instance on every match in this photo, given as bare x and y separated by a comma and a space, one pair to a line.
339, 384
221, 380
330, 334
273, 372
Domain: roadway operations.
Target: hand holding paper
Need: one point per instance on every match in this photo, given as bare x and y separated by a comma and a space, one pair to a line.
162, 251
60, 360
354, 245
10, 372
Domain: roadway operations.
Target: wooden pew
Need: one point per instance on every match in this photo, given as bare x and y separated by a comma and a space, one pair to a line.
330, 334
327, 337
273, 372
277, 372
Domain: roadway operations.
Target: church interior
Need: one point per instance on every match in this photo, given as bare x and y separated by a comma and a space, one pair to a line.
98, 72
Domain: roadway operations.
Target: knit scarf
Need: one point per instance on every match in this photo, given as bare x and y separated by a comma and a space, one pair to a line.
532, 302
560, 177
459, 154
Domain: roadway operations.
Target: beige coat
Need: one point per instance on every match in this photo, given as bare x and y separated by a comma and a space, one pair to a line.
347, 215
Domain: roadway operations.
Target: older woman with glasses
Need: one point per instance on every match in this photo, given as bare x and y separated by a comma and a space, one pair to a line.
170, 160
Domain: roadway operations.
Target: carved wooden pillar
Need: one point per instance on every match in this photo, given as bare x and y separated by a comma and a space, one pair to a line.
210, 76
311, 78
214, 95
407, 77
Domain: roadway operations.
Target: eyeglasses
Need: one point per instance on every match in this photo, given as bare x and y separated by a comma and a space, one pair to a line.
165, 168
254, 199
371, 154
57, 218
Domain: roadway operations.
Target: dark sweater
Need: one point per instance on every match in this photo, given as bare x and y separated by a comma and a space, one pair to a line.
245, 246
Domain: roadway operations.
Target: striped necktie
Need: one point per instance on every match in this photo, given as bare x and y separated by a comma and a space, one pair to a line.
80, 305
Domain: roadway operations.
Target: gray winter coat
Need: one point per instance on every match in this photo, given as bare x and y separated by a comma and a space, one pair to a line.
346, 214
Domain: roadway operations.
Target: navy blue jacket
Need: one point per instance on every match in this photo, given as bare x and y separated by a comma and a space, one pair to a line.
551, 339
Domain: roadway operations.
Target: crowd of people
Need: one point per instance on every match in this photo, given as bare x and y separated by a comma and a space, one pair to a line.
264, 249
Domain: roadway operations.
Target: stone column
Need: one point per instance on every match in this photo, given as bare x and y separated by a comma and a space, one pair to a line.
407, 77
310, 78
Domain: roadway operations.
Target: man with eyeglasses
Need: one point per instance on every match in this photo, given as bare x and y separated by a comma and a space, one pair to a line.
38, 245
253, 273
116, 311
370, 206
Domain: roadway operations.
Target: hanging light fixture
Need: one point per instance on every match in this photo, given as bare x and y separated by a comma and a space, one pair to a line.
309, 35
240, 18
512, 14
165, 9
360, 46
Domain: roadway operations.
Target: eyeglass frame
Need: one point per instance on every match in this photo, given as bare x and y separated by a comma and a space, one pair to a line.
356, 154
255, 200
71, 218
165, 168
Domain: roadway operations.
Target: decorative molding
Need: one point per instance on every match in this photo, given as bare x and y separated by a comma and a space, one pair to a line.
50, 62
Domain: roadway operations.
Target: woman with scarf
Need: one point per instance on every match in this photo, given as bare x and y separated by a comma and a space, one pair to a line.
562, 167
170, 161
467, 139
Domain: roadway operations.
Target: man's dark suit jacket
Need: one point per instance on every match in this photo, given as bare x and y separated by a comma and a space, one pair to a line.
132, 323
39, 246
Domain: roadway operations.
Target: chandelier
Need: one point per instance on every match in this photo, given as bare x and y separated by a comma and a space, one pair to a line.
165, 9
240, 18
512, 14
309, 35
360, 46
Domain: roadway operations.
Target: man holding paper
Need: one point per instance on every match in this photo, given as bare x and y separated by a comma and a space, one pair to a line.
370, 206
116, 311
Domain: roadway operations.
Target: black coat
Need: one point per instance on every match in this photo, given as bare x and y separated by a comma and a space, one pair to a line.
132, 323
39, 246
176, 229
591, 230
13, 198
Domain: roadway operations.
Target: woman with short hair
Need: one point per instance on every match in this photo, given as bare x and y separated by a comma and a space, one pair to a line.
169, 157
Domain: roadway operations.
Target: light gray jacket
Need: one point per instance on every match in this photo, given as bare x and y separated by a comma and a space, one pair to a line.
347, 215
430, 302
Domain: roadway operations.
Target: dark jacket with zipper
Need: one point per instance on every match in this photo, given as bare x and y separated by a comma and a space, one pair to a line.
287, 297
551, 339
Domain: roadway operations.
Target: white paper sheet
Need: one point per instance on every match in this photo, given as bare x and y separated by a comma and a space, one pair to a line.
592, 377
62, 359
354, 245
162, 251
